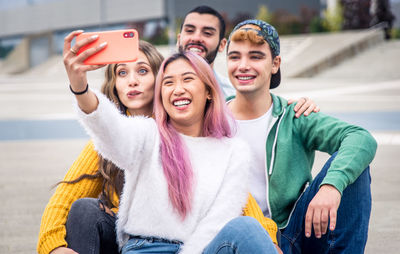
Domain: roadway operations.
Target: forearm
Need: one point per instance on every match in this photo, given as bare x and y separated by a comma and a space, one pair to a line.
354, 145
116, 136
87, 102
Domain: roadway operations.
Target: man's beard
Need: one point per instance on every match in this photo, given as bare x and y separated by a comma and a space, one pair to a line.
210, 56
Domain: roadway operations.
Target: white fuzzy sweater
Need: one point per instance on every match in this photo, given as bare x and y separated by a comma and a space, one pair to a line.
133, 143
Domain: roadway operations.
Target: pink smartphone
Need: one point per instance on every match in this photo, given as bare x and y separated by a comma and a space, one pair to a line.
122, 46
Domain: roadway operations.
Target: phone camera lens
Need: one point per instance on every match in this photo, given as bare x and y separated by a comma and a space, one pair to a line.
125, 35
131, 34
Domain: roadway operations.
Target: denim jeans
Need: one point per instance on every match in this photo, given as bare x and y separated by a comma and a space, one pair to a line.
90, 229
137, 244
351, 232
242, 235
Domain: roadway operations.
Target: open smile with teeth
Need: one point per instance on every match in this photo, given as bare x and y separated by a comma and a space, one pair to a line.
195, 50
245, 78
181, 103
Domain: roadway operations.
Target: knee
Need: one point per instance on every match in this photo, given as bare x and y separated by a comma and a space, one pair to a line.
84, 209
244, 225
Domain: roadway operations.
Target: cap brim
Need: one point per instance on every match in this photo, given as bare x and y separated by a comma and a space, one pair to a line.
275, 79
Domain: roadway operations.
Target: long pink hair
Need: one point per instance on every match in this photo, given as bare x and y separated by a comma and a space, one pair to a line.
174, 154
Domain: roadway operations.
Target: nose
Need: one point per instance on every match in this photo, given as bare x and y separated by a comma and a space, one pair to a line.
244, 64
179, 89
196, 37
133, 80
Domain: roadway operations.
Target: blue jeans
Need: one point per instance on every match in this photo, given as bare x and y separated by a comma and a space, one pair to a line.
351, 232
138, 244
90, 229
241, 235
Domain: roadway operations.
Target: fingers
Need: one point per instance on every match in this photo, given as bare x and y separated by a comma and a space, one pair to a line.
310, 109
79, 44
290, 101
68, 39
92, 67
332, 218
302, 105
317, 223
89, 52
318, 219
316, 109
299, 103
324, 221
308, 222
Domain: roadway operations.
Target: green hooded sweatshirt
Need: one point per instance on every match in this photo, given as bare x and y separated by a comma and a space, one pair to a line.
291, 146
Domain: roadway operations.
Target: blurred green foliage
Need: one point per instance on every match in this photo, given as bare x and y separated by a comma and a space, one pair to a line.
395, 33
333, 18
5, 50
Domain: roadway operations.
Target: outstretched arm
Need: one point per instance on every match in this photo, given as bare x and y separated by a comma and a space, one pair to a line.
76, 70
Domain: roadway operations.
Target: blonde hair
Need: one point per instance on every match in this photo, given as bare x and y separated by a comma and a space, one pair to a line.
251, 35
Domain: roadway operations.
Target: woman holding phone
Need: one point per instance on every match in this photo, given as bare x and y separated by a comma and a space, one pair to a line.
185, 175
81, 213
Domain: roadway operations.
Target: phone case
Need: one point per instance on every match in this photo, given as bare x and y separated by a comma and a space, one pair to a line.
122, 46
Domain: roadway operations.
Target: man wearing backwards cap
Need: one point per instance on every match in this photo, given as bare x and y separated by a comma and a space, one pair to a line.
330, 212
203, 33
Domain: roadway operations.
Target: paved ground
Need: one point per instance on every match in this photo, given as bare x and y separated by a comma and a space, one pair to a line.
39, 138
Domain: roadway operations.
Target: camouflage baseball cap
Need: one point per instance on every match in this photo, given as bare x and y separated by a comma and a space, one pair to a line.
270, 35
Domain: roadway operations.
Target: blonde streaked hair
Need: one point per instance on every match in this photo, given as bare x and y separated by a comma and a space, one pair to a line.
248, 32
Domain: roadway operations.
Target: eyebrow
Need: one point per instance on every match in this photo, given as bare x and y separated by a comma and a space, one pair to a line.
250, 52
203, 28
183, 74
233, 52
257, 52
123, 64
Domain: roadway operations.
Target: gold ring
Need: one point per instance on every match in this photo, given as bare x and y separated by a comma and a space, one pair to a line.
73, 51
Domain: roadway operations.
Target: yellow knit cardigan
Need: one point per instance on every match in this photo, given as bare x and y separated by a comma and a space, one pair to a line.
52, 228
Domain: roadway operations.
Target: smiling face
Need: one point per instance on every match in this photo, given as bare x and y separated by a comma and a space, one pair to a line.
184, 96
250, 66
201, 35
135, 85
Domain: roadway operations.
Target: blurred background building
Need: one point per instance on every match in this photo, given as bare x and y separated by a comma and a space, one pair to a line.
31, 31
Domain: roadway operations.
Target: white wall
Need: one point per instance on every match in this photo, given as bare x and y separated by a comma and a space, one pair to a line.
67, 14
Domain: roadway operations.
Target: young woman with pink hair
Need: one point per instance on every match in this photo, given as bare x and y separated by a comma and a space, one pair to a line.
185, 173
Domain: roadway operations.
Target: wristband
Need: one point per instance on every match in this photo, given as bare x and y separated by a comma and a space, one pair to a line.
79, 93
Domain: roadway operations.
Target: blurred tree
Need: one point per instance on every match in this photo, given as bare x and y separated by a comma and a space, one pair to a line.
333, 18
160, 36
286, 23
307, 15
264, 14
5, 50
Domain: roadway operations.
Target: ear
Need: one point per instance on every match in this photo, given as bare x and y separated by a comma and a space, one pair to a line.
208, 96
222, 45
276, 63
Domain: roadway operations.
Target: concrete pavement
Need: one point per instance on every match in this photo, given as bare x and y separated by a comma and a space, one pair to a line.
30, 165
